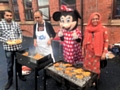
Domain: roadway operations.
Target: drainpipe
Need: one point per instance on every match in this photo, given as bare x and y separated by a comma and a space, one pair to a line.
82, 20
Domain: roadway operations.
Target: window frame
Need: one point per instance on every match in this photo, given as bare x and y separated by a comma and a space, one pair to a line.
4, 1
15, 13
25, 12
114, 16
74, 5
1, 15
45, 6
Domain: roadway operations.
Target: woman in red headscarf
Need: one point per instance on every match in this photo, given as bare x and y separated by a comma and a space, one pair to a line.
95, 43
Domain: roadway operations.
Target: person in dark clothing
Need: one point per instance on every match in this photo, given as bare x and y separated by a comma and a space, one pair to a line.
9, 31
43, 34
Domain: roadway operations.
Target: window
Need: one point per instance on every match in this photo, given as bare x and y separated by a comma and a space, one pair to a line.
28, 10
3, 1
15, 10
1, 15
116, 9
68, 3
44, 7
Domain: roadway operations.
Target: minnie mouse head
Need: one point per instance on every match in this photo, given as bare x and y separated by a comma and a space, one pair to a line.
68, 18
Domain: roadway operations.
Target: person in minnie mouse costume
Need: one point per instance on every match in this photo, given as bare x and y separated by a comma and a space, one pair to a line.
69, 34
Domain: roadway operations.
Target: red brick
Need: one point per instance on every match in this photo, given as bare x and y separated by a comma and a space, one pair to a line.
104, 7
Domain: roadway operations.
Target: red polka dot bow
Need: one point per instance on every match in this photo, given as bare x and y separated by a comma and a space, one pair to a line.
65, 8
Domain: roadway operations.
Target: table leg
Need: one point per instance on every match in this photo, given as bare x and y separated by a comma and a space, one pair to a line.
66, 85
16, 80
44, 82
36, 71
96, 86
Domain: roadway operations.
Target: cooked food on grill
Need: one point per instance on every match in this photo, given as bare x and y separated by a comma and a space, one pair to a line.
73, 73
25, 54
86, 73
80, 70
76, 75
70, 68
59, 69
67, 72
56, 64
67, 65
37, 56
14, 42
79, 76
70, 74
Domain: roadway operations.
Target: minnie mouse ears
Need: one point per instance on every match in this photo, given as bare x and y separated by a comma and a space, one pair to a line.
65, 8
57, 15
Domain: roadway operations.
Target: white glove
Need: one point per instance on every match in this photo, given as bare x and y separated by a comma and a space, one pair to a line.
75, 36
60, 33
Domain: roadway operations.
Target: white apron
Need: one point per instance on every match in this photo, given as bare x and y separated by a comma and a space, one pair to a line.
42, 38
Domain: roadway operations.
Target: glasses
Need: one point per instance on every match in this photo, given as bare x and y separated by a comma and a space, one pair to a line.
37, 17
95, 18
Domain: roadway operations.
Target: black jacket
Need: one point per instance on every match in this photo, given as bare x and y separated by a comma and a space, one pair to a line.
49, 30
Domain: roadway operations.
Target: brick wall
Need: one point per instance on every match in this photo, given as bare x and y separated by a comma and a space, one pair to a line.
34, 5
104, 7
114, 34
4, 6
21, 10
27, 30
54, 6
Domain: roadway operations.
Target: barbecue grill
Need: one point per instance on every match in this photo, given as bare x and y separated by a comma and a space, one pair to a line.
35, 64
40, 63
31, 62
50, 70
60, 74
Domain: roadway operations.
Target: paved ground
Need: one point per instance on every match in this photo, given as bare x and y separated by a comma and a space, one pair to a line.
110, 76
